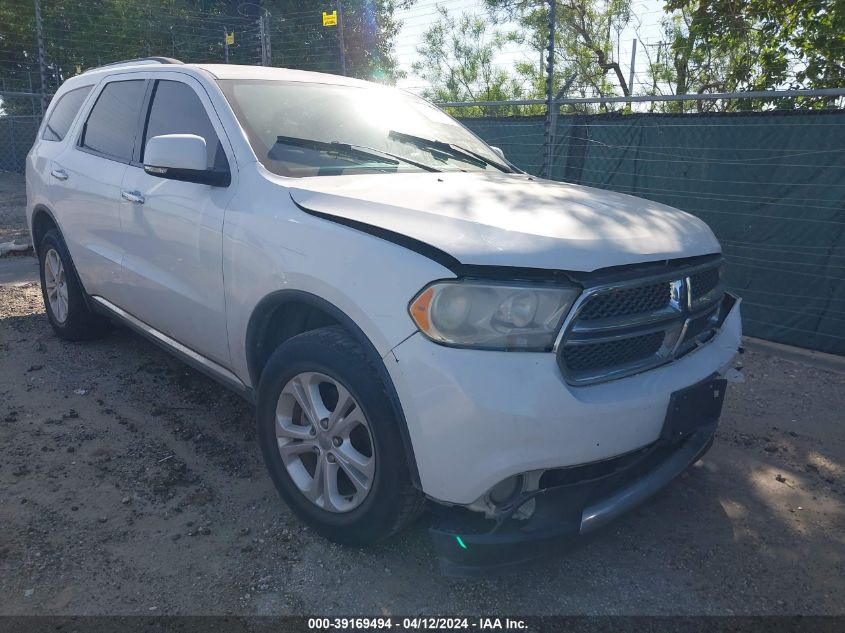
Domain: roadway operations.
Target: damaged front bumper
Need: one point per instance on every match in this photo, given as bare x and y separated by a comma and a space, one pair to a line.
571, 503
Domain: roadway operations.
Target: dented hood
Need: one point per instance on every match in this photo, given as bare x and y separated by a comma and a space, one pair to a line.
511, 219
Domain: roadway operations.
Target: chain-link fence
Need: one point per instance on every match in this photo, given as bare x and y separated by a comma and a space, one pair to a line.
44, 43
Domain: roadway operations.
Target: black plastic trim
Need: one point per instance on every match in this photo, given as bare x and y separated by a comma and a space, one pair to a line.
159, 59
210, 177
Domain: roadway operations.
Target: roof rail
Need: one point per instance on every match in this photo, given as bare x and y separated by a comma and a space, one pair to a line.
139, 61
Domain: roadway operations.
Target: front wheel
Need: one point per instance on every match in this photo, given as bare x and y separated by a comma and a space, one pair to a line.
330, 439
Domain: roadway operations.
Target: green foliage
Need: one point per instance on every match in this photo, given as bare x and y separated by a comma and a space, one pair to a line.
299, 40
80, 35
457, 61
730, 45
585, 31
707, 46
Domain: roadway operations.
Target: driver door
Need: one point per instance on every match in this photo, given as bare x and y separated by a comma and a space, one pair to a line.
173, 251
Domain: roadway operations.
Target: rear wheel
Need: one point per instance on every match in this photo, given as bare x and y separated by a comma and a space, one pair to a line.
64, 299
331, 440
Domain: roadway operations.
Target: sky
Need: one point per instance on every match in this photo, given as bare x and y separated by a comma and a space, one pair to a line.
647, 15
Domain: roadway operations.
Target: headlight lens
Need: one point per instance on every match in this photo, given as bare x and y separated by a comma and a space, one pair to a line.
491, 315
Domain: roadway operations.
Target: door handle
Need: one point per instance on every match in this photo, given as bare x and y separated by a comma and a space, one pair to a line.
59, 174
132, 196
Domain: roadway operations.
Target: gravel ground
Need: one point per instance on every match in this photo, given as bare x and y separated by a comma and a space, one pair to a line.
130, 484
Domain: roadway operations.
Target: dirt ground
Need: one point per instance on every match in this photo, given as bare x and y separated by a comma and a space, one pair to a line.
130, 484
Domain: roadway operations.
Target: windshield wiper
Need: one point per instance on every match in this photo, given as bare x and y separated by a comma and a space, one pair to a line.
360, 151
451, 149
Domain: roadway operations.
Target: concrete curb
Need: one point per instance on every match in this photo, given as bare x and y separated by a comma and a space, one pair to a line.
819, 360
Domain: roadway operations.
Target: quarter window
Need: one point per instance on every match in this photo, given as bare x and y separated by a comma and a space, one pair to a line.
63, 114
110, 128
176, 109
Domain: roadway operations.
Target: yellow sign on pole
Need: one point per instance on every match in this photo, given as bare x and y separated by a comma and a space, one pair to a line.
330, 19
230, 38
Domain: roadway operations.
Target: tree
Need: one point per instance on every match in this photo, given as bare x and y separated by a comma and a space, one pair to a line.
457, 61
734, 45
299, 39
370, 32
584, 40
81, 35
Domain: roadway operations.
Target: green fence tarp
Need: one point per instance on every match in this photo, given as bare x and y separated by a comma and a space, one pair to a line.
771, 185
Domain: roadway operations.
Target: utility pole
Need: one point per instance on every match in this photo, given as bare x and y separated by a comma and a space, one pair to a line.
340, 42
550, 94
225, 45
39, 34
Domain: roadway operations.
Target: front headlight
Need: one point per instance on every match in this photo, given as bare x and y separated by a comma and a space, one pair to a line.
492, 315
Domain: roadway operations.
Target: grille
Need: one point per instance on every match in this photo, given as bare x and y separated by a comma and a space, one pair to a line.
627, 301
703, 282
596, 356
697, 327
628, 327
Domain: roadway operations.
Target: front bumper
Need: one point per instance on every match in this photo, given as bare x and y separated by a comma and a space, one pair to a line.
564, 515
477, 417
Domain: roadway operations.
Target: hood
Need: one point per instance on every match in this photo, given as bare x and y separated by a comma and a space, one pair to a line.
511, 219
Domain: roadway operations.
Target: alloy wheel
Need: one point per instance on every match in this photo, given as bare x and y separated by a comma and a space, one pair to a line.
56, 285
325, 442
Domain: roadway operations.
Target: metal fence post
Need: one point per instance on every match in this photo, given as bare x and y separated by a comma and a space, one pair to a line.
261, 37
550, 95
12, 148
32, 100
633, 64
268, 52
39, 34
340, 42
555, 113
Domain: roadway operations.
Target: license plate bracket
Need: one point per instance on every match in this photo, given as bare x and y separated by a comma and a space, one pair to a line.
691, 408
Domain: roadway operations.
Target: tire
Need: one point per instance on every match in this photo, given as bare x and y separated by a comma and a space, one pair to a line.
324, 356
64, 298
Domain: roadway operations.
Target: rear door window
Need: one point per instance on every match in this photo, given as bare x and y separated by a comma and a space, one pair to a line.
110, 129
176, 109
63, 114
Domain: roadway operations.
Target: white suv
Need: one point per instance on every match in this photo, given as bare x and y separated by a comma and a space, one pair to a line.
413, 316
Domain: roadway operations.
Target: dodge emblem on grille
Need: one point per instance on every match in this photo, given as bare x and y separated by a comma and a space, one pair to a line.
679, 294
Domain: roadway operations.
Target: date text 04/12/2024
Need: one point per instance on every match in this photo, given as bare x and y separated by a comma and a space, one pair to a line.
417, 623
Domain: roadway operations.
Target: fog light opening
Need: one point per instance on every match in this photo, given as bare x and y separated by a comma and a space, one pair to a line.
506, 490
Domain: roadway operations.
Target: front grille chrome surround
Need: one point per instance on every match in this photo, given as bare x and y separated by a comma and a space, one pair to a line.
620, 329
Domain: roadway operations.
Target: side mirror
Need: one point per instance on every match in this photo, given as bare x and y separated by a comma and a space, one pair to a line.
498, 151
182, 157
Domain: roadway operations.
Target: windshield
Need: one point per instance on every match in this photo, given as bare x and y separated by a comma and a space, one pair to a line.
302, 129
